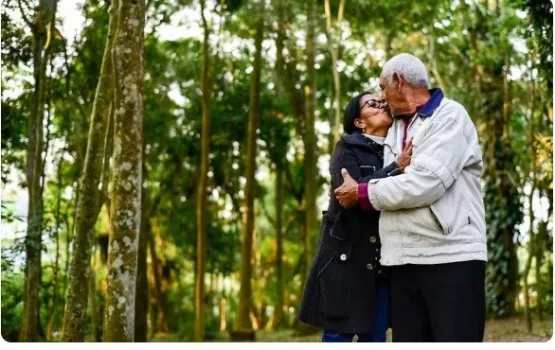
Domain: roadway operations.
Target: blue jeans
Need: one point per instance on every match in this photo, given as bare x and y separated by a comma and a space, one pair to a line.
382, 321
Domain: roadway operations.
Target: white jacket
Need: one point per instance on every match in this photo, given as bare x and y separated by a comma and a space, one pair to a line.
434, 212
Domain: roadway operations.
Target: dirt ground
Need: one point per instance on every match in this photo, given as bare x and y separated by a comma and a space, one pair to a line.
505, 330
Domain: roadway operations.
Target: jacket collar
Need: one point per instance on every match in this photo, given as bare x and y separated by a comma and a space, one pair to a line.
357, 138
436, 95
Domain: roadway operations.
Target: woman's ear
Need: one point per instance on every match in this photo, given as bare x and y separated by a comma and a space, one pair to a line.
360, 124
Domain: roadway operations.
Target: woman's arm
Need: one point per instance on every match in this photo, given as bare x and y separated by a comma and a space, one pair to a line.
390, 170
343, 158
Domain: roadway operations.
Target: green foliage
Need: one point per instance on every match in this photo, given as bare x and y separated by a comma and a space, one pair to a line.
464, 44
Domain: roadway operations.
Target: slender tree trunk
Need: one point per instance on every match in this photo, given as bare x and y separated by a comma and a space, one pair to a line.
141, 293
200, 263
310, 135
527, 309
333, 33
223, 314
160, 322
42, 30
310, 157
538, 252
532, 243
96, 325
242, 322
540, 243
125, 219
90, 198
56, 272
279, 319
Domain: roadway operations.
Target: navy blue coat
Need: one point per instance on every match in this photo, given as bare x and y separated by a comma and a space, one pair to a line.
340, 291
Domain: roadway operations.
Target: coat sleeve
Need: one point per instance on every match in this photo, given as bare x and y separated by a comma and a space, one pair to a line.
343, 157
390, 170
437, 162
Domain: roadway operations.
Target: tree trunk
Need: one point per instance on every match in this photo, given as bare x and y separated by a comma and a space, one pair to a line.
278, 317
527, 310
540, 242
160, 322
532, 244
141, 291
42, 44
310, 156
96, 325
242, 323
90, 198
125, 218
223, 314
56, 272
200, 263
333, 33
310, 178
504, 209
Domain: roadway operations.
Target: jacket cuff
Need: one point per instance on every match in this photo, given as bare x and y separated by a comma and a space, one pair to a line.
363, 199
393, 169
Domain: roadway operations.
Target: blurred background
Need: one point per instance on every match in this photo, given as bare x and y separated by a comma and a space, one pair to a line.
272, 78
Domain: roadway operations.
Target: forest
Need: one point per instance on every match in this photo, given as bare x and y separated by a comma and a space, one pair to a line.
165, 163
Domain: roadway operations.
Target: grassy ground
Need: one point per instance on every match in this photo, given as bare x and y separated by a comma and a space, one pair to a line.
506, 330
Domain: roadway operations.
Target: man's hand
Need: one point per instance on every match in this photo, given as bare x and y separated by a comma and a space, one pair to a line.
347, 193
404, 159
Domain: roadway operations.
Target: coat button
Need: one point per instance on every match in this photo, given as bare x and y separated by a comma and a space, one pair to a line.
372, 239
370, 267
343, 257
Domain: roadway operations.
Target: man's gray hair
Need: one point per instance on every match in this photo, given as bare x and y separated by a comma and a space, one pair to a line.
410, 67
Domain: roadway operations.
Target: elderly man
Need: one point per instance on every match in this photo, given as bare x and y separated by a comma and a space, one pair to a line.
432, 225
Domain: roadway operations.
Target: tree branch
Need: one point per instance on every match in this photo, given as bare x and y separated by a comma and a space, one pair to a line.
24, 16
265, 211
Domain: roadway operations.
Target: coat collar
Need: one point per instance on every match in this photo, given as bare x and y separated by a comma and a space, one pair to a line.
436, 95
358, 139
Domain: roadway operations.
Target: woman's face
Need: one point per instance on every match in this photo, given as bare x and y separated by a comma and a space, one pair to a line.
374, 114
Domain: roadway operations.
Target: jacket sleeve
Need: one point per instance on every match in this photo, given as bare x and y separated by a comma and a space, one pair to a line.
390, 170
343, 157
437, 162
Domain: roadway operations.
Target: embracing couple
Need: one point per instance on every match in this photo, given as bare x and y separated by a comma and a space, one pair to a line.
403, 242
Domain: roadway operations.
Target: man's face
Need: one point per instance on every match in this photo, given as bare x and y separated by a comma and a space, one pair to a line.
392, 93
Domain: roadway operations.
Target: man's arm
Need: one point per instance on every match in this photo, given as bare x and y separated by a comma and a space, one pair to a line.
437, 163
348, 194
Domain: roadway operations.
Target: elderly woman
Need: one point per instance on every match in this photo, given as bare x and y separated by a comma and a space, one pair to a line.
347, 291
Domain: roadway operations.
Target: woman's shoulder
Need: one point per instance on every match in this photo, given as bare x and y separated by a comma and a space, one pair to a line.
342, 148
347, 143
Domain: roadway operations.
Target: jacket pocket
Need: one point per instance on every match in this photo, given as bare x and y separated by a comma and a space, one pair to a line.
420, 227
367, 170
334, 285
334, 226
439, 219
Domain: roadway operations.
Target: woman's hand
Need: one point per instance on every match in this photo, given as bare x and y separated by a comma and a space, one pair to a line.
404, 159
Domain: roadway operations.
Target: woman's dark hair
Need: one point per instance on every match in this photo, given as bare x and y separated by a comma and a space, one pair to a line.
352, 112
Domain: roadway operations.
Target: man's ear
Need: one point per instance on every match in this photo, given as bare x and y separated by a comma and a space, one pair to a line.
359, 123
398, 80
